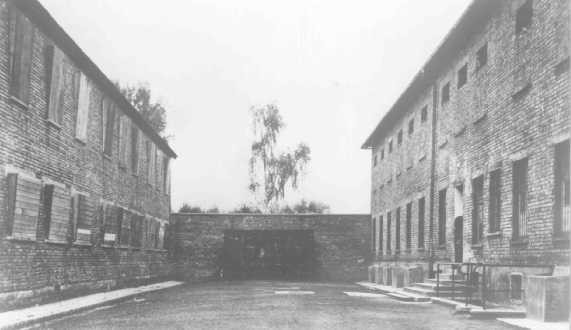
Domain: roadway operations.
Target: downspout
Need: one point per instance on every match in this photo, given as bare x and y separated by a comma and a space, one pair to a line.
432, 179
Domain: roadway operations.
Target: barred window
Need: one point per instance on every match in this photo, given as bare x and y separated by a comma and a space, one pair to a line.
421, 208
495, 203
562, 209
477, 209
519, 200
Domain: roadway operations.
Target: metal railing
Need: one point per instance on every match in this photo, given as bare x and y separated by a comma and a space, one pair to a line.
474, 278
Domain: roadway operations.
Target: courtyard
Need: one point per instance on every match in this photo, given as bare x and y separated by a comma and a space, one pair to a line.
268, 305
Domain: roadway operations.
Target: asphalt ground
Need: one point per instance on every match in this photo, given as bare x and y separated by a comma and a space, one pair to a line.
268, 305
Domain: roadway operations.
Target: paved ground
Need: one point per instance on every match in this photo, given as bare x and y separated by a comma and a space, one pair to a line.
268, 305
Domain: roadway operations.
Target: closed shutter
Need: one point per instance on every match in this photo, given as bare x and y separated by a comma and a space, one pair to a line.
21, 42
23, 205
134, 149
109, 129
161, 236
125, 227
83, 99
55, 106
123, 140
56, 212
84, 215
136, 230
111, 225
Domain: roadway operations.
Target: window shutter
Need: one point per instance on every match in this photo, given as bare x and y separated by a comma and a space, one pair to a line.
23, 205
136, 230
125, 227
21, 41
57, 211
55, 106
84, 222
83, 99
109, 129
111, 225
72, 230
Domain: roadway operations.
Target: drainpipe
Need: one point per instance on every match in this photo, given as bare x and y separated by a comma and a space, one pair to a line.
432, 179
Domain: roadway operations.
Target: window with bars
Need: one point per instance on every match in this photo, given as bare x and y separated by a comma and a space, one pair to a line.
380, 239
442, 217
397, 231
477, 209
519, 199
421, 208
388, 232
495, 202
373, 233
408, 226
562, 217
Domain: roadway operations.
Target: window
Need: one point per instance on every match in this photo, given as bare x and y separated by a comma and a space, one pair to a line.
373, 233
382, 154
519, 200
83, 96
380, 239
123, 140
109, 128
134, 149
399, 137
166, 175
446, 93
411, 126
388, 232
421, 208
523, 17
56, 213
149, 158
374, 160
21, 39
516, 287
111, 224
482, 56
477, 209
390, 146
124, 219
442, 217
562, 209
408, 226
136, 230
56, 86
463, 75
161, 239
81, 217
424, 114
494, 213
22, 206
397, 231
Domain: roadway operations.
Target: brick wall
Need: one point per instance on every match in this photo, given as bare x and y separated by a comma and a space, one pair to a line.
342, 244
49, 153
514, 106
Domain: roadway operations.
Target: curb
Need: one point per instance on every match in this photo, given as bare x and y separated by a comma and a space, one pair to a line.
28, 319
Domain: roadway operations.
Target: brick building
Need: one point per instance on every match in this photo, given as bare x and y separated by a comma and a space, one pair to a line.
84, 180
471, 164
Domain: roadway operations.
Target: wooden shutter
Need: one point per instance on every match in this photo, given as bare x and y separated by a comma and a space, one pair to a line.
21, 42
136, 230
57, 212
111, 225
84, 219
125, 227
83, 99
55, 106
123, 134
109, 129
23, 205
134, 149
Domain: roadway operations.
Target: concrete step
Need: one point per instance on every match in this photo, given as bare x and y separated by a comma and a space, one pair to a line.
445, 282
448, 276
442, 287
433, 293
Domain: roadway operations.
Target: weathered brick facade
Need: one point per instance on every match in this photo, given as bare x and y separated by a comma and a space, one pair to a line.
341, 241
510, 102
105, 217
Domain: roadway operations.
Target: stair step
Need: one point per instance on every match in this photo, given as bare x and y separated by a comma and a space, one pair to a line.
433, 293
445, 282
442, 287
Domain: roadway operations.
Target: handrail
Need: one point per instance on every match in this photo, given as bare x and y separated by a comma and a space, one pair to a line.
476, 277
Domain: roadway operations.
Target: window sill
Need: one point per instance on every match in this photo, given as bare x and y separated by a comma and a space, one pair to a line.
19, 102
54, 242
81, 244
53, 123
20, 239
520, 242
495, 234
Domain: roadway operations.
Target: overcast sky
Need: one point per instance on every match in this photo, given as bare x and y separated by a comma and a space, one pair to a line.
332, 67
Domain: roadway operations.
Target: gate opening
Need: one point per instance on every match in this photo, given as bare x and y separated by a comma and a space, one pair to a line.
268, 254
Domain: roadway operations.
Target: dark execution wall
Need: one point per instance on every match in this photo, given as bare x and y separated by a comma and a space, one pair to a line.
338, 245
